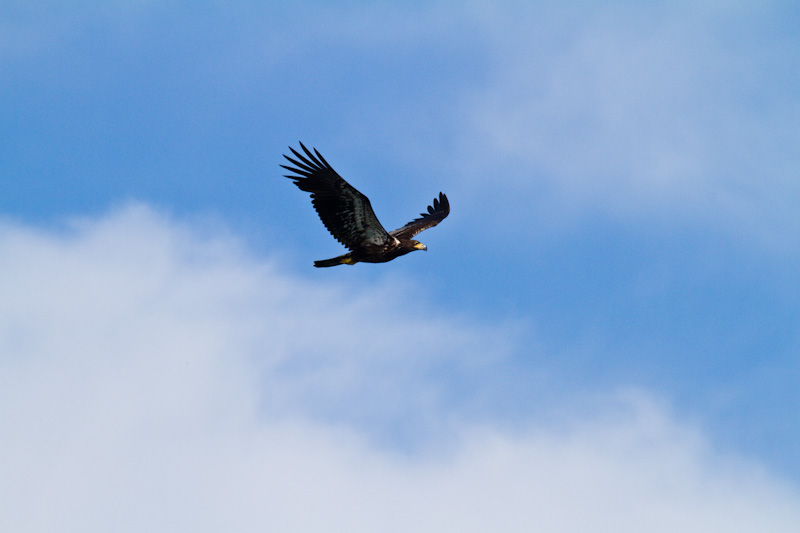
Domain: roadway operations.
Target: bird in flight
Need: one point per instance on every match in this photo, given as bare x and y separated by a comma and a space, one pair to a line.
349, 217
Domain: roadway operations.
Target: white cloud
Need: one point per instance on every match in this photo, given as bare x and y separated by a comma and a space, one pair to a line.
156, 379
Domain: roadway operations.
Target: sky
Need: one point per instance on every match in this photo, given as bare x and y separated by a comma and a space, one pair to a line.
602, 336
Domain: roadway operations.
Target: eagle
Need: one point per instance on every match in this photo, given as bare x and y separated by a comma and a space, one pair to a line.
349, 217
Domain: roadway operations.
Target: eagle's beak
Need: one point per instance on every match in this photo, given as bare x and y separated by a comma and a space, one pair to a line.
420, 246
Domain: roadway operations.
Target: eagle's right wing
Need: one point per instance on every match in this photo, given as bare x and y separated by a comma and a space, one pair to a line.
345, 212
436, 213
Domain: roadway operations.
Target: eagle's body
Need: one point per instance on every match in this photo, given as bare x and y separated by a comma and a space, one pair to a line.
349, 217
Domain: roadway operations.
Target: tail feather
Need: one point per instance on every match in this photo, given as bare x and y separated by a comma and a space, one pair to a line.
328, 262
341, 260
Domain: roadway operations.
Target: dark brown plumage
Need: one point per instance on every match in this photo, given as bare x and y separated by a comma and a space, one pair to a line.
349, 217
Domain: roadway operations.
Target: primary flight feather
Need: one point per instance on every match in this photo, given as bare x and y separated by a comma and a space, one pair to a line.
349, 217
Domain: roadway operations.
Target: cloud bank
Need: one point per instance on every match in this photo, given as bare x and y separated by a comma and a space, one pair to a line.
155, 377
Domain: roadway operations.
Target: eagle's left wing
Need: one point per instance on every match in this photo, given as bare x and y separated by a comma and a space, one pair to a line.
346, 212
435, 214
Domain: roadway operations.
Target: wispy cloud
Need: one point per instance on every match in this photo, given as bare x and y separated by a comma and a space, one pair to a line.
643, 113
153, 377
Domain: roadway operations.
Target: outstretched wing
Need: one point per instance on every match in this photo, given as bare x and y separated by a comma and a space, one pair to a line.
345, 212
435, 214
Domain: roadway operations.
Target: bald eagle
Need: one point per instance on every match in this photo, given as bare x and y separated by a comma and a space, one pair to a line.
349, 217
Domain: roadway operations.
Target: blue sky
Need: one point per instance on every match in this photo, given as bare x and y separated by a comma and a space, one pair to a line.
607, 321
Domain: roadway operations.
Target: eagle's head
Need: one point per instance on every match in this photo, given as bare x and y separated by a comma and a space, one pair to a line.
419, 246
